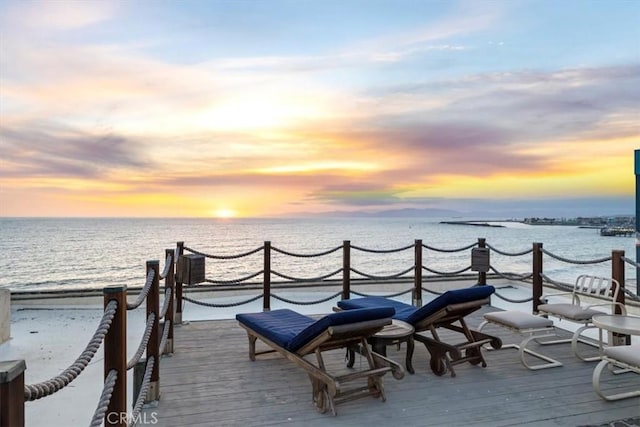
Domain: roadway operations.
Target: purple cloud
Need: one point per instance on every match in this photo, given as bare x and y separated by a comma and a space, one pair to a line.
55, 152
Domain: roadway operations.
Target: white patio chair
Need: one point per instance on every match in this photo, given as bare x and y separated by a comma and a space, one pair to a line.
603, 289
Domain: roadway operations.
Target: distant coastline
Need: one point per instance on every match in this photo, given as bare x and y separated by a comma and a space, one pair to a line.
615, 222
586, 222
476, 223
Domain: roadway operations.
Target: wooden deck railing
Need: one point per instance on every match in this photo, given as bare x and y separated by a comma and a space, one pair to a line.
112, 331
536, 277
112, 409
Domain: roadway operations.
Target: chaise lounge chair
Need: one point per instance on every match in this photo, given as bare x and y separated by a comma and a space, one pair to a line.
295, 335
443, 312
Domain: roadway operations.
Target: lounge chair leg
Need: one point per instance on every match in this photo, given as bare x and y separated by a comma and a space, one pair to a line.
252, 347
350, 357
441, 354
376, 388
318, 396
329, 399
409, 360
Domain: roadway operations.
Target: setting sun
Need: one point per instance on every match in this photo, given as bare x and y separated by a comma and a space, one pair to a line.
425, 106
224, 213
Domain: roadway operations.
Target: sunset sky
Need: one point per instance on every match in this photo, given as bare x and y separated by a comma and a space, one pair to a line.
264, 108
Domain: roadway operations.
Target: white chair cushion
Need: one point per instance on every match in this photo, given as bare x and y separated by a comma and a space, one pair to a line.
629, 354
518, 320
570, 311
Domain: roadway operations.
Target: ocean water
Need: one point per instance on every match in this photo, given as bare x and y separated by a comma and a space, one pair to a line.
81, 253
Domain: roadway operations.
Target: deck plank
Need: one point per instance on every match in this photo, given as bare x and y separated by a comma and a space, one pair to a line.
210, 381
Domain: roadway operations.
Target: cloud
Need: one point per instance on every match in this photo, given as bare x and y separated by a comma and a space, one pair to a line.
46, 15
574, 103
51, 151
464, 19
331, 124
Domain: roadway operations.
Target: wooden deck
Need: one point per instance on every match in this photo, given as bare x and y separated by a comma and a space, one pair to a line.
210, 381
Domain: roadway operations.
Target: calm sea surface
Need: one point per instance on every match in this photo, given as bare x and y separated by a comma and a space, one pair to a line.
38, 254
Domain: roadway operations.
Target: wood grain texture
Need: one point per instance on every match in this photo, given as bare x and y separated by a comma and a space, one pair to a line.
210, 381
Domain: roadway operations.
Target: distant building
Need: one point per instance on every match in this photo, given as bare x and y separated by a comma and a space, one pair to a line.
615, 221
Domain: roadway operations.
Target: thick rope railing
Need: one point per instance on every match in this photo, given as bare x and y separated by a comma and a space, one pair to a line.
144, 390
234, 281
319, 301
431, 291
474, 244
214, 305
631, 295
560, 285
627, 292
434, 292
167, 266
298, 255
446, 273
528, 251
382, 251
143, 342
242, 255
362, 294
512, 300
631, 262
165, 336
568, 287
310, 279
375, 277
143, 293
574, 261
165, 303
57, 383
511, 276
105, 399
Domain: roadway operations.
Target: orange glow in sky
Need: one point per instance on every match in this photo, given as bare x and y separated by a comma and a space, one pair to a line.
136, 109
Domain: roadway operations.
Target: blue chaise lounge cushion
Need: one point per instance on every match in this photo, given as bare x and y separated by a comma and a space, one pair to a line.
292, 330
413, 315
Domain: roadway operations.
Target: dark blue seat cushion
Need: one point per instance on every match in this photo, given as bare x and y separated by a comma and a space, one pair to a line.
292, 330
403, 311
413, 315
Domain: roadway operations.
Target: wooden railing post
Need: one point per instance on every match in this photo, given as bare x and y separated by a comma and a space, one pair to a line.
346, 269
153, 303
169, 283
537, 276
12, 393
482, 275
417, 275
178, 291
266, 285
115, 356
618, 273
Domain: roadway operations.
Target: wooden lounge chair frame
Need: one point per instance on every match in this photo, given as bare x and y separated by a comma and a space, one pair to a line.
586, 286
445, 356
328, 390
450, 316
